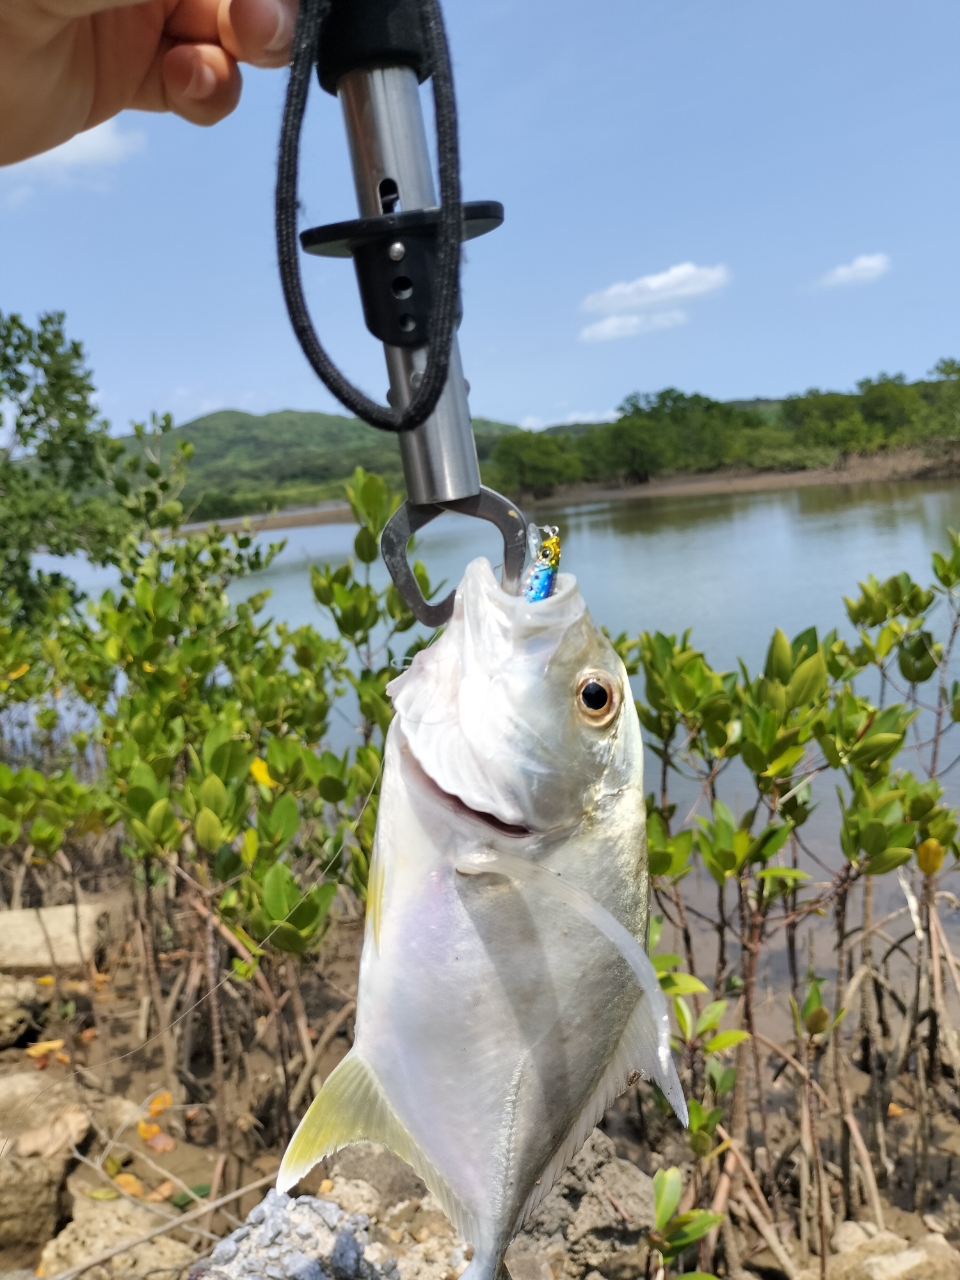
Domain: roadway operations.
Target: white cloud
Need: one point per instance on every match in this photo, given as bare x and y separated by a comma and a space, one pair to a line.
103, 145
685, 280
863, 269
630, 326
533, 421
87, 154
591, 415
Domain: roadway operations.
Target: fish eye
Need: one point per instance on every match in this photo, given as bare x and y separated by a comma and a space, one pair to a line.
598, 697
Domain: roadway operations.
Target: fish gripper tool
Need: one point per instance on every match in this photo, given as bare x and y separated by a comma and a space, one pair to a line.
405, 246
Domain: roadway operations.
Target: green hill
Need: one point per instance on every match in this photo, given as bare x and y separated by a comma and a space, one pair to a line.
245, 463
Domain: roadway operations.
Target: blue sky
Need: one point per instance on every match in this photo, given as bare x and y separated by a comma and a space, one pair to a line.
737, 198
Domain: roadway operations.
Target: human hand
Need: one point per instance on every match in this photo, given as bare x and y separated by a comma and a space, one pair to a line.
67, 65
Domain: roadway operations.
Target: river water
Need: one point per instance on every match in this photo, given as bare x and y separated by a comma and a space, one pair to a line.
730, 566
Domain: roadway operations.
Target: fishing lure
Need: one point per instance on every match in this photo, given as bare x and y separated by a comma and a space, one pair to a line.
540, 580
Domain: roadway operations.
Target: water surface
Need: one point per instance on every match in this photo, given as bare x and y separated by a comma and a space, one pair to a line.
731, 566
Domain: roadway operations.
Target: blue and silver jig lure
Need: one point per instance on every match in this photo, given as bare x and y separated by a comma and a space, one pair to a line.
541, 578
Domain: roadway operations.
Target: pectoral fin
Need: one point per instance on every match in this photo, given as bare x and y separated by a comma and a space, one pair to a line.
651, 1034
351, 1107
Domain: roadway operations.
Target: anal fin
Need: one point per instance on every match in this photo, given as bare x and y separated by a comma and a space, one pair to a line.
351, 1107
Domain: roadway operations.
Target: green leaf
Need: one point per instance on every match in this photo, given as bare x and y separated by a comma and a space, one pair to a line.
886, 861
710, 1017
873, 838
753, 757
689, 1228
285, 937
813, 1000
230, 761
280, 891
770, 841
183, 1201
659, 862
331, 789
213, 795
218, 736
725, 1040
365, 545
279, 824
783, 765
791, 874
157, 816
681, 984
722, 1079
208, 830
684, 1018
779, 664
808, 681
138, 828
874, 747
667, 1187
323, 895
250, 846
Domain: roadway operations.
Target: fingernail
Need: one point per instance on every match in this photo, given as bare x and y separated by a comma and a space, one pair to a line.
203, 82
281, 37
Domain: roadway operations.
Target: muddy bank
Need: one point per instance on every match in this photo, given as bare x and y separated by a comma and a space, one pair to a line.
898, 464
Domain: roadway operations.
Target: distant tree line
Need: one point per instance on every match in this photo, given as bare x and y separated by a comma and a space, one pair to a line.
672, 432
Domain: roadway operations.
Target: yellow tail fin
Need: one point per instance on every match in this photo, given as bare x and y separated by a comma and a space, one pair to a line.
351, 1107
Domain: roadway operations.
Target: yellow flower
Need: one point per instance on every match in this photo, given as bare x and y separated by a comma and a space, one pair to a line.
261, 773
17, 672
149, 668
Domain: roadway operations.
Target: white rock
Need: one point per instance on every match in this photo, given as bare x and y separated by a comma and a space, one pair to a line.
354, 1196
26, 941
65, 1129
99, 1225
894, 1266
847, 1237
29, 1195
935, 1224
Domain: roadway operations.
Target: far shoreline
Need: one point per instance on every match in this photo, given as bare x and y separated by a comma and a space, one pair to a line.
900, 464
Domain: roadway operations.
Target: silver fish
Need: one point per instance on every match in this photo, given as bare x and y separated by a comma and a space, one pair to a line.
504, 1001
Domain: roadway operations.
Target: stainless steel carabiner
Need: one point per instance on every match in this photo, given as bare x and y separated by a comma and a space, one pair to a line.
410, 517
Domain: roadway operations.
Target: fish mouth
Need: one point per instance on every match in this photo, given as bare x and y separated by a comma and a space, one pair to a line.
460, 807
